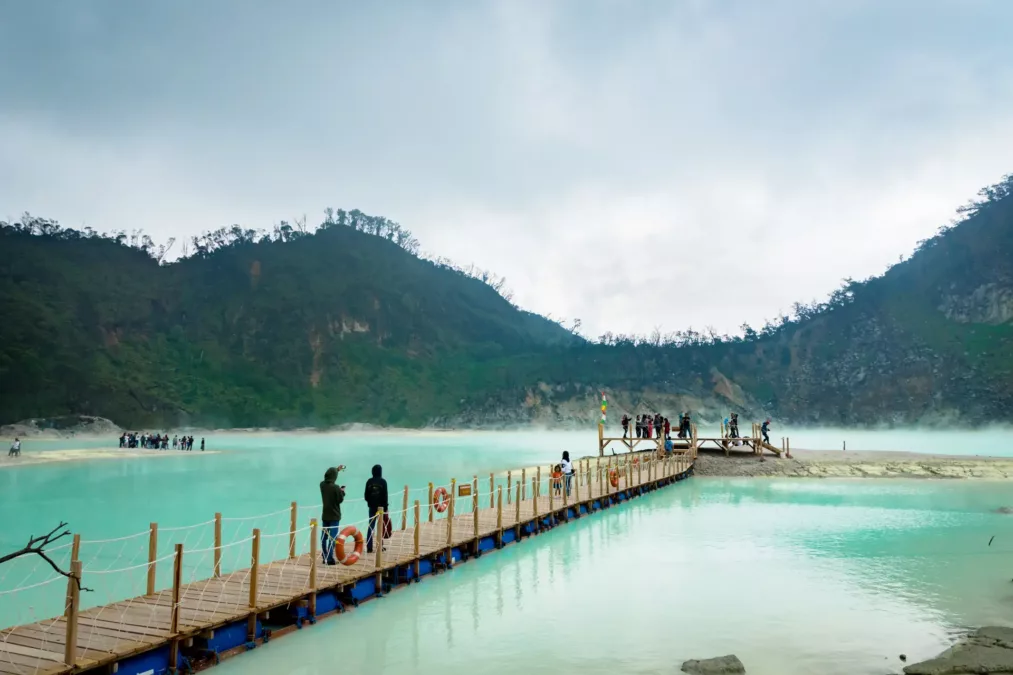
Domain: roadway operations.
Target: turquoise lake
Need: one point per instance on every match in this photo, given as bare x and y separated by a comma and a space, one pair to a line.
794, 576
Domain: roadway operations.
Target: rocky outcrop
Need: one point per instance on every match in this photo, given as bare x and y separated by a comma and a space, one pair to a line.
837, 465
721, 665
989, 303
60, 427
986, 650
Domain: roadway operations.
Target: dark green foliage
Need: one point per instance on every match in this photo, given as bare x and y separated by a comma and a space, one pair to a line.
347, 323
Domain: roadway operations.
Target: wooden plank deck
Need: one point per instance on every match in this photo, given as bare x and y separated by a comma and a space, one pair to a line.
112, 632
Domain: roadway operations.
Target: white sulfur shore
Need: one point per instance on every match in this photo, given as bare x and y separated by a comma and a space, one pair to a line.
81, 454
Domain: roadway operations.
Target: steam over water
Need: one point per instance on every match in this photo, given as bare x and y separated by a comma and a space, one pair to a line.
794, 576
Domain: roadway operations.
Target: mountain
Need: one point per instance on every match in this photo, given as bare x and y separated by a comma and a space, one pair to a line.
349, 324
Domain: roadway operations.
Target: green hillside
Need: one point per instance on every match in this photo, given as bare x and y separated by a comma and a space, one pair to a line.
348, 324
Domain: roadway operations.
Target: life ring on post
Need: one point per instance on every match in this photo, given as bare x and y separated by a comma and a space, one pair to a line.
614, 478
339, 546
441, 500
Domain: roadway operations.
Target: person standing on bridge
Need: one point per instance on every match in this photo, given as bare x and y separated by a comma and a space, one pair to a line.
626, 425
567, 468
764, 429
376, 499
332, 495
668, 429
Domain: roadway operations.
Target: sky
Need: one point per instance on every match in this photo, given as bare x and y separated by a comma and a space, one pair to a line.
636, 165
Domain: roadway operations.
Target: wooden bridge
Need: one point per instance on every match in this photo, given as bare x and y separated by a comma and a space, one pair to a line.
753, 443
195, 622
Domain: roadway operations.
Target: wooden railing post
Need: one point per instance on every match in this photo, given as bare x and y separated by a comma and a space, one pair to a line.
218, 545
576, 494
537, 491
524, 483
152, 556
509, 486
313, 567
430, 502
552, 501
601, 490
499, 516
74, 597
177, 585
291, 530
474, 508
378, 527
450, 522
415, 537
404, 510
534, 501
251, 622
517, 515
75, 553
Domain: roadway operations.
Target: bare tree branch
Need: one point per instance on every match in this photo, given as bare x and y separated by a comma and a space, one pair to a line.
37, 546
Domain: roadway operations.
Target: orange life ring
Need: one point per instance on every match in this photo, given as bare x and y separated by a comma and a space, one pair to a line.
614, 478
339, 546
441, 500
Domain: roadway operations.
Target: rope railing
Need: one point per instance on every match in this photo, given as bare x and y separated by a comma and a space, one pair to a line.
160, 581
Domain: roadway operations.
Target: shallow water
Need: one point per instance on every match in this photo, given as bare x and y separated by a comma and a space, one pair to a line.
794, 576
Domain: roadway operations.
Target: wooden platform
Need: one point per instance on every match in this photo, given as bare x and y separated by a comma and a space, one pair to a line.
108, 634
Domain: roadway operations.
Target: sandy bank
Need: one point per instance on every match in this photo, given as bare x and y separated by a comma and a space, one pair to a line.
85, 454
861, 464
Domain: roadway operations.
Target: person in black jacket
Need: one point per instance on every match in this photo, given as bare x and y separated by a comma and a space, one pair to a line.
376, 498
332, 495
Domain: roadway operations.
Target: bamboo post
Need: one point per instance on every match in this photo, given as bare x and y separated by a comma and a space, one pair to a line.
640, 472
378, 527
74, 598
313, 566
537, 488
601, 439
251, 622
524, 483
291, 531
492, 492
509, 486
430, 502
218, 545
499, 516
404, 510
75, 550
152, 556
534, 499
177, 584
415, 538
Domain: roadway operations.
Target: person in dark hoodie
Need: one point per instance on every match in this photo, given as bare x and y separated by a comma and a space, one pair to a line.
332, 495
376, 498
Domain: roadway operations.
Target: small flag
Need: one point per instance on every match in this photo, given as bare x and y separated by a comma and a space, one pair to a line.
604, 407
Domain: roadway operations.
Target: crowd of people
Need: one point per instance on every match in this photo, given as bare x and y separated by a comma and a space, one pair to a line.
653, 426
157, 441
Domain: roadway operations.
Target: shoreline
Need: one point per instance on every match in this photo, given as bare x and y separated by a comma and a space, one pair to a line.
87, 454
856, 464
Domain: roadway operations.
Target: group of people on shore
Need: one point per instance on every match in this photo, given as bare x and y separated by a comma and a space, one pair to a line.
157, 441
652, 426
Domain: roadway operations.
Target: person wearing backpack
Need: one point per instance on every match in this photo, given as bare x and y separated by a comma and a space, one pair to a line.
376, 499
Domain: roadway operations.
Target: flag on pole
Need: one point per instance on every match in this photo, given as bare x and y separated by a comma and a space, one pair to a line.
604, 407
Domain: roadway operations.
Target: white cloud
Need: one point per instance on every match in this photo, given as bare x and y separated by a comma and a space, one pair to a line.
634, 165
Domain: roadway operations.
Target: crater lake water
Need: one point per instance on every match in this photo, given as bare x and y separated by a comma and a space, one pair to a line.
792, 575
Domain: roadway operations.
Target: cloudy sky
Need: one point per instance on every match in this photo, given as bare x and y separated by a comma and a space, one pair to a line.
634, 164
